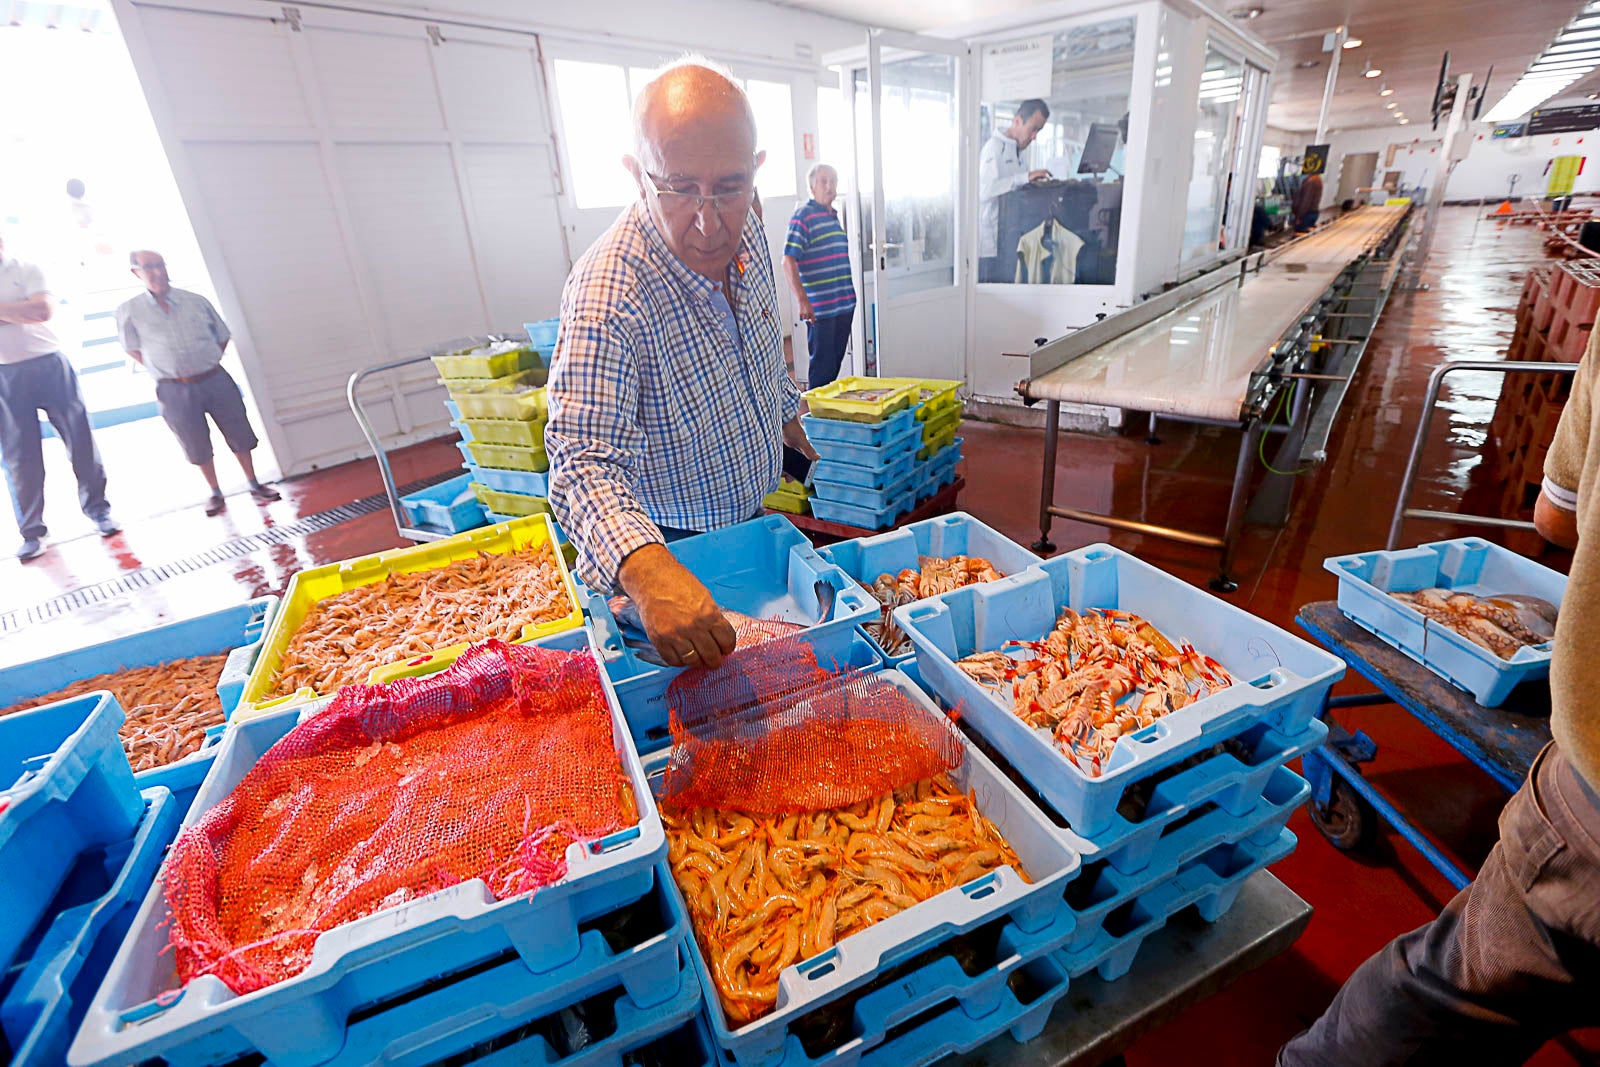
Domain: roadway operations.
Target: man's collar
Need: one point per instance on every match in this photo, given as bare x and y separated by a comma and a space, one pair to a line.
693, 280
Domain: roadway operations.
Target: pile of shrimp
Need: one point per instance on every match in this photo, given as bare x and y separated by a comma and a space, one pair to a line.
765, 892
936, 574
168, 707
343, 637
1096, 676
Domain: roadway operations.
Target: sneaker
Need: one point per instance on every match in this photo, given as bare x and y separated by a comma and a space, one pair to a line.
264, 493
32, 548
216, 505
107, 526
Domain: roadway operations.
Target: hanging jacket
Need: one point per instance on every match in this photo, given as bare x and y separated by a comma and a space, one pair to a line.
1048, 255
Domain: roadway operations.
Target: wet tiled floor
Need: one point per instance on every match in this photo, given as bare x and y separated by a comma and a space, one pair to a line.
1474, 276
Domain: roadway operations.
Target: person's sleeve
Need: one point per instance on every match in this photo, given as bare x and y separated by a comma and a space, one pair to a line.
1563, 464
219, 329
789, 395
595, 445
797, 241
127, 332
990, 182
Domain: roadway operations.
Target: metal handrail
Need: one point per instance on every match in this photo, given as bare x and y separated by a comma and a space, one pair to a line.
1429, 402
405, 530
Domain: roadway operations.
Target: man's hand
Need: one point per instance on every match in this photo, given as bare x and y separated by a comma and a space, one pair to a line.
807, 313
1038, 175
679, 615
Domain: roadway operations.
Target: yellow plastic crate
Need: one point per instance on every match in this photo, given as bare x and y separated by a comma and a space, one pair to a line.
884, 397
792, 497
510, 503
518, 396
508, 457
311, 586
935, 395
942, 426
488, 361
938, 444
507, 432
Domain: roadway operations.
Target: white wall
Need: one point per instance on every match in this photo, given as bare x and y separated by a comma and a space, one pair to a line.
1487, 170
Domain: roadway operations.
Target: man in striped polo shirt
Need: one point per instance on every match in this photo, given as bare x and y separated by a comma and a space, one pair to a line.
816, 259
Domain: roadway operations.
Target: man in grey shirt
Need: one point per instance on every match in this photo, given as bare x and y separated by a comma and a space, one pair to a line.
36, 376
179, 338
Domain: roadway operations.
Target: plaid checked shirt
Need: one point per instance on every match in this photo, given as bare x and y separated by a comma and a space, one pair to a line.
656, 417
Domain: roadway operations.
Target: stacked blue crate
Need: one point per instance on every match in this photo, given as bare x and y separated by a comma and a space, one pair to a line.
431, 978
1211, 792
867, 474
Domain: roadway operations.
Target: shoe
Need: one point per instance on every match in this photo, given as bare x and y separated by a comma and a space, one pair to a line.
216, 505
31, 548
264, 493
107, 526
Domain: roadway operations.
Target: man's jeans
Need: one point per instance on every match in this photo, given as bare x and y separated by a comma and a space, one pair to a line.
46, 383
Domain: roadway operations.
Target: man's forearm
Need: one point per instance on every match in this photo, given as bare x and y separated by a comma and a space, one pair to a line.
791, 271
794, 435
24, 312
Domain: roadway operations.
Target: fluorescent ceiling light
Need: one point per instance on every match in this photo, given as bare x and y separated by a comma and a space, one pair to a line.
1588, 22
1566, 47
1353, 42
1390, 104
1375, 72
1545, 66
1385, 92
1405, 122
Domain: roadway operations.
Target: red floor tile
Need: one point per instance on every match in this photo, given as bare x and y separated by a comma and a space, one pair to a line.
1361, 900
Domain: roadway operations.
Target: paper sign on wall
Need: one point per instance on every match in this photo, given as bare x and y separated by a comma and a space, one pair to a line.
810, 146
1017, 70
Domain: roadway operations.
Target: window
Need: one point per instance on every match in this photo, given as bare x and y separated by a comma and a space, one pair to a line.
597, 119
833, 130
774, 133
1268, 168
1221, 86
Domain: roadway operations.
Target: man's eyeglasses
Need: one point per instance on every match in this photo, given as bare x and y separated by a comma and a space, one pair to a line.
676, 203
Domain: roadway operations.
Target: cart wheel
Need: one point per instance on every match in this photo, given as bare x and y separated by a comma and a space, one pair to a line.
1346, 820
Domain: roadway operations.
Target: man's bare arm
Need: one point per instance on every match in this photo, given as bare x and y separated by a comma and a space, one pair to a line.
1555, 524
37, 308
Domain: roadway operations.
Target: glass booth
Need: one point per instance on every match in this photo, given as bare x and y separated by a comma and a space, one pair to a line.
1019, 178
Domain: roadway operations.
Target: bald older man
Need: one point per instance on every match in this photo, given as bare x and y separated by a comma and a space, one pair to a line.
669, 400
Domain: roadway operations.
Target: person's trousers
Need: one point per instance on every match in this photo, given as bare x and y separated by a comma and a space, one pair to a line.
48, 384
826, 341
1511, 962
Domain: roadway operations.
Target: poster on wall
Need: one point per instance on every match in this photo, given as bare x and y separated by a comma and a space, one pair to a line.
1017, 70
1315, 160
1503, 130
1564, 119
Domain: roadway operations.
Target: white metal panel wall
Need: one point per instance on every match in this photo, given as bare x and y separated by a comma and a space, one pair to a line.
362, 186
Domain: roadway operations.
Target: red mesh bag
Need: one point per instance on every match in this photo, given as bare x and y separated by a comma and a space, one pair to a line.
486, 770
771, 732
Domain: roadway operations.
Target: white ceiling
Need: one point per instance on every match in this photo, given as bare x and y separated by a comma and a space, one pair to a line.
1406, 40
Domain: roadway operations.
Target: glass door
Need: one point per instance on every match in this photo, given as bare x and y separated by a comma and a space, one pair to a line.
913, 167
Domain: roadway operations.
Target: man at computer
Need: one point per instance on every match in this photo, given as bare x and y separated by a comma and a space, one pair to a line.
1000, 170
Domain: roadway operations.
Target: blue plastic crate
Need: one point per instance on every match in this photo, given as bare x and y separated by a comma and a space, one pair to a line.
1211, 883
448, 506
869, 499
460, 427
44, 996
1032, 919
878, 455
529, 483
864, 477
139, 1013
455, 415
648, 974
1468, 565
1282, 679
846, 432
946, 458
965, 1019
934, 480
237, 631
866, 518
542, 334
866, 559
65, 787
184, 778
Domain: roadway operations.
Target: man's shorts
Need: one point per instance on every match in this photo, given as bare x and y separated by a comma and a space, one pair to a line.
185, 405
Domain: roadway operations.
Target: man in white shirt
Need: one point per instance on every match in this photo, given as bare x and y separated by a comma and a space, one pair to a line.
35, 376
1000, 170
179, 338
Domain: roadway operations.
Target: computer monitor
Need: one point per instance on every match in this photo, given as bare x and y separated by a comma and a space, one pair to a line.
1099, 147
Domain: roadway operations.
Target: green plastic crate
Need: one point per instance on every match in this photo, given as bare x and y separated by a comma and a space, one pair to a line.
507, 432
509, 457
510, 503
488, 361
518, 396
